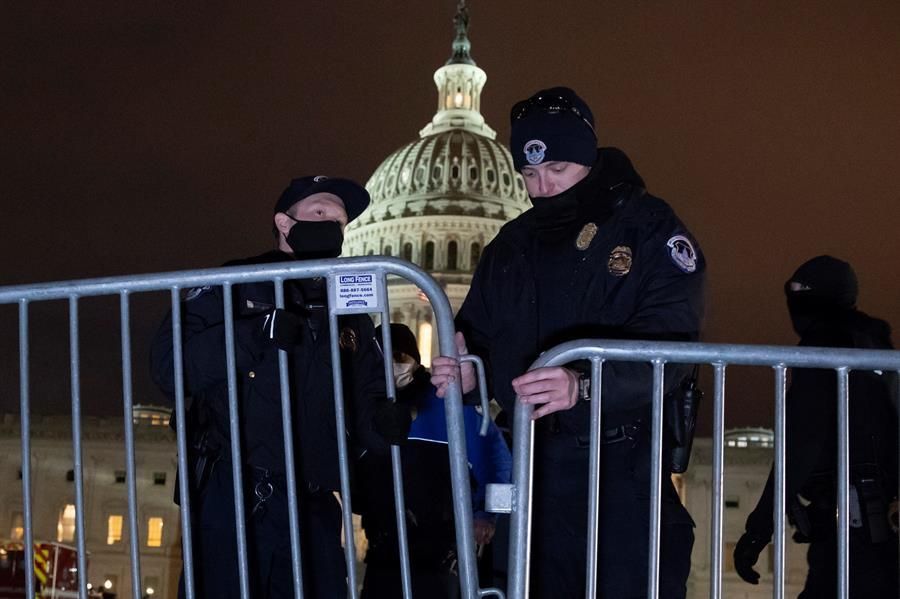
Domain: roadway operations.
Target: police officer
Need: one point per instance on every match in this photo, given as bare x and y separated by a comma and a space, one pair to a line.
308, 223
596, 256
821, 299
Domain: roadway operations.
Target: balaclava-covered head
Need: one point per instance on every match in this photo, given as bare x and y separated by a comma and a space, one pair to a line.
821, 287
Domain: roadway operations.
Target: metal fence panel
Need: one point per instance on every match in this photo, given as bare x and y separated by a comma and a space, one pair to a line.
229, 277
719, 356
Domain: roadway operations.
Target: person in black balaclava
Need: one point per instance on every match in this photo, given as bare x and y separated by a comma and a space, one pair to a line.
821, 299
597, 256
308, 222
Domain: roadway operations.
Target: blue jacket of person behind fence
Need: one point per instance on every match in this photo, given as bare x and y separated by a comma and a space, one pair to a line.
428, 495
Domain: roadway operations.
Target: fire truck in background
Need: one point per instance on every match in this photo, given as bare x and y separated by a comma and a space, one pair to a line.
55, 571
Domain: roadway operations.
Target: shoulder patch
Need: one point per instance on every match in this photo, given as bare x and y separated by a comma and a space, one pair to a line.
682, 253
194, 292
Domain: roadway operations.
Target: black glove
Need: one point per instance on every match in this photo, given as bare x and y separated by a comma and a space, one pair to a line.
283, 328
746, 553
392, 421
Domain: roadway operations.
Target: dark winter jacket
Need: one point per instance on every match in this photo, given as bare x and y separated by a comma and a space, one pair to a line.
811, 421
258, 390
640, 276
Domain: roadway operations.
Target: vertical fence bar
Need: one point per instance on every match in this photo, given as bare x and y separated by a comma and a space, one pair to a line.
343, 461
594, 478
127, 401
718, 465
843, 483
287, 425
459, 468
520, 519
184, 484
396, 460
235, 434
75, 370
780, 446
655, 479
25, 422
895, 393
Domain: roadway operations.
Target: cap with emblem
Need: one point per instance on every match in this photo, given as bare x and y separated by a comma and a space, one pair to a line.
354, 196
552, 125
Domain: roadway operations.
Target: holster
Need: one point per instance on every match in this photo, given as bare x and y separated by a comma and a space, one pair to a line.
204, 450
681, 408
873, 507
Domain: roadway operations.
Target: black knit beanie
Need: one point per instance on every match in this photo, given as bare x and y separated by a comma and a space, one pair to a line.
402, 340
826, 280
552, 125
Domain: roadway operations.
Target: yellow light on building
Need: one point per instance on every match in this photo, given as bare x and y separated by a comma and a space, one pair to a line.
154, 532
114, 529
425, 343
65, 527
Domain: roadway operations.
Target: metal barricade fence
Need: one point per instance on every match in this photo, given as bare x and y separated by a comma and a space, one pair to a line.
355, 286
516, 498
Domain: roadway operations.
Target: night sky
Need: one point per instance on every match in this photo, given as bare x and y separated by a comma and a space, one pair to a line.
151, 136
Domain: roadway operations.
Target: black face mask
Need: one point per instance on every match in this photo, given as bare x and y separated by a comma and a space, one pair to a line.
311, 240
807, 312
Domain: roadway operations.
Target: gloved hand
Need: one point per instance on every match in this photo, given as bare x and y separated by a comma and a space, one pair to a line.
283, 328
746, 553
392, 421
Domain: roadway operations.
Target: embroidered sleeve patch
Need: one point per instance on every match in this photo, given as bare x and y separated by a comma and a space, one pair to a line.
682, 253
194, 292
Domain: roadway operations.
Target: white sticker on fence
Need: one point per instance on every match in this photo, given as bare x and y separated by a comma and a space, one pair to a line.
357, 291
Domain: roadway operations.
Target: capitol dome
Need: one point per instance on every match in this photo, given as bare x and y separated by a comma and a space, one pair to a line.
440, 199
455, 173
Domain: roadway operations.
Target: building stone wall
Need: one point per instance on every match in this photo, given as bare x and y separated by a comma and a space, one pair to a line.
105, 494
746, 469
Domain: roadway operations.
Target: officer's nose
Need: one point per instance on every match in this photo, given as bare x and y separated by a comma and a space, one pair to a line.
544, 185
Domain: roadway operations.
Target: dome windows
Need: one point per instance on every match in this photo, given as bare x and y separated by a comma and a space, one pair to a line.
451, 255
475, 255
428, 262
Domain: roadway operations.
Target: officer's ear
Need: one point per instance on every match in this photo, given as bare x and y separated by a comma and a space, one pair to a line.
282, 223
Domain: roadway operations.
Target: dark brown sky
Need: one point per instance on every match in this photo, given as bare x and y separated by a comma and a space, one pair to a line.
149, 136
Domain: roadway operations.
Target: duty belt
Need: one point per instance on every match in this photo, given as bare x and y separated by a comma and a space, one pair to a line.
609, 436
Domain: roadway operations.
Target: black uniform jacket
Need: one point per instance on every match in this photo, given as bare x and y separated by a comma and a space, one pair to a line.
811, 421
258, 389
602, 260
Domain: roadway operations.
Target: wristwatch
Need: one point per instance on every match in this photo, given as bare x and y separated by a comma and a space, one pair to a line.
584, 386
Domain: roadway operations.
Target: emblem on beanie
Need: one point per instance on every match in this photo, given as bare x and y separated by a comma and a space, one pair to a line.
619, 263
682, 252
319, 178
586, 236
534, 151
